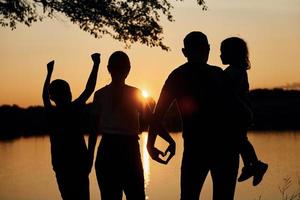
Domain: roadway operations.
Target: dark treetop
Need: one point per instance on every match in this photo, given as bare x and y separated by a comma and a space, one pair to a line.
126, 21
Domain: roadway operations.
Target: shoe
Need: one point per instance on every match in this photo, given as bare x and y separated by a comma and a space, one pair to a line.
259, 170
247, 172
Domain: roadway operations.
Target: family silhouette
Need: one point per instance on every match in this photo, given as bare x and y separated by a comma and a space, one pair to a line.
215, 111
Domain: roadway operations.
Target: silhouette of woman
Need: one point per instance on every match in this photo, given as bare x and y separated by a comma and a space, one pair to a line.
117, 108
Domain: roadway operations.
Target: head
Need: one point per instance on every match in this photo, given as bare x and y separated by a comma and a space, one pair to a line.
118, 66
60, 93
196, 47
234, 51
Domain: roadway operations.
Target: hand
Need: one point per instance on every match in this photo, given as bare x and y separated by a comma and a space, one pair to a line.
172, 149
96, 58
50, 66
155, 155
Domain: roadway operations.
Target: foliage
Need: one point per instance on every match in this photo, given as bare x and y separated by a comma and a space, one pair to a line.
128, 21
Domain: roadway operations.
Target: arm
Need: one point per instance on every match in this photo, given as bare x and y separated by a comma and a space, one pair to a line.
91, 149
156, 128
93, 135
46, 98
91, 83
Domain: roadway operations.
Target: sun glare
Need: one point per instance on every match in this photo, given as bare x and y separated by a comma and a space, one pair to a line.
145, 94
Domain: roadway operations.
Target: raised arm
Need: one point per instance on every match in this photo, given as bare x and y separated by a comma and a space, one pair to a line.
156, 128
91, 83
46, 97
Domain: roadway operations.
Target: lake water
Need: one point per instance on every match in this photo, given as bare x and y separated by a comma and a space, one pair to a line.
26, 172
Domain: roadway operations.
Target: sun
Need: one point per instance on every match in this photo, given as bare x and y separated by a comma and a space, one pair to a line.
145, 94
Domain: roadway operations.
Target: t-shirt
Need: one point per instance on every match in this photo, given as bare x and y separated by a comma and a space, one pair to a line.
118, 109
197, 88
68, 148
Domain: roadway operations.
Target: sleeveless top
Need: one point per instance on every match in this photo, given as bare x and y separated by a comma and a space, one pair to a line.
118, 109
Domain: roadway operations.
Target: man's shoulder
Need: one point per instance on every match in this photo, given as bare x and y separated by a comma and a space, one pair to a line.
215, 68
185, 67
180, 68
178, 72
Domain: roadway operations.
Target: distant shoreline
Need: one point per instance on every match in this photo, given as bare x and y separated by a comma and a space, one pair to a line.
274, 110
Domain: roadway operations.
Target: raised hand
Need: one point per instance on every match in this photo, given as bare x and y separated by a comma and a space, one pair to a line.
46, 98
96, 58
91, 83
50, 66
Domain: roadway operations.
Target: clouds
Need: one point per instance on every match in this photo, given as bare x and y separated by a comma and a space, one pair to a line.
291, 86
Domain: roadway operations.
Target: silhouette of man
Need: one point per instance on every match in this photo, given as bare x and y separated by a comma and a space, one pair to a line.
197, 89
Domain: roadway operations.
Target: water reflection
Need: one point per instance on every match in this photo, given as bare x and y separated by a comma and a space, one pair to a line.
145, 158
26, 173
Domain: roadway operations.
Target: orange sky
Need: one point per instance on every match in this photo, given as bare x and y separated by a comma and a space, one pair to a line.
271, 28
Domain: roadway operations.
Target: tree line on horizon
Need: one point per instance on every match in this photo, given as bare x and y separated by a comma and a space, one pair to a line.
274, 109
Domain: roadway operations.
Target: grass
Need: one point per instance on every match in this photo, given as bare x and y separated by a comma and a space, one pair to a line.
286, 191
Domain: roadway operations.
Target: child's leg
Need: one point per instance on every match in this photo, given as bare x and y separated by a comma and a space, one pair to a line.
63, 185
247, 152
252, 166
248, 155
82, 186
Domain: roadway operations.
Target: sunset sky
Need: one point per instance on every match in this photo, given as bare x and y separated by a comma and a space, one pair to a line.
270, 27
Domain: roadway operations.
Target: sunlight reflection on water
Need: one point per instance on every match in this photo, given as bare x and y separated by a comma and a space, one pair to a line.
26, 172
145, 159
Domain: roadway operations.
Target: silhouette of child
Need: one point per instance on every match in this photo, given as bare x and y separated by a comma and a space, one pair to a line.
117, 108
68, 149
234, 52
